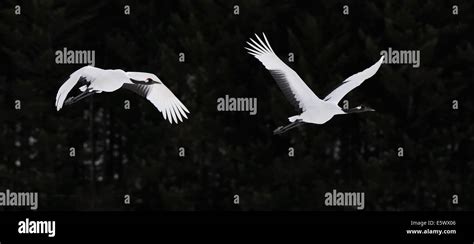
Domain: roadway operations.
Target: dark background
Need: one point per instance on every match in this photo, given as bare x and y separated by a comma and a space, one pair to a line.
136, 152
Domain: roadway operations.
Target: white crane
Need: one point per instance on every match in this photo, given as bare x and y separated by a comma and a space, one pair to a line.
95, 80
314, 110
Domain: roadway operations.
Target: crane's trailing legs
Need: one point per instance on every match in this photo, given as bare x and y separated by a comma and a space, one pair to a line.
79, 97
283, 129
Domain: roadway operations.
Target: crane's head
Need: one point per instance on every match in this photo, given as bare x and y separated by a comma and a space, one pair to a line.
143, 78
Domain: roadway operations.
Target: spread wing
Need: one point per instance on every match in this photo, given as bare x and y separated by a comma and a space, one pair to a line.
352, 82
163, 99
294, 88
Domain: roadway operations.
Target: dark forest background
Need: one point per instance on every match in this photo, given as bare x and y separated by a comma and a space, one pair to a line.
135, 151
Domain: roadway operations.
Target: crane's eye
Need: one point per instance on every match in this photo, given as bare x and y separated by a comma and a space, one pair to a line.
149, 79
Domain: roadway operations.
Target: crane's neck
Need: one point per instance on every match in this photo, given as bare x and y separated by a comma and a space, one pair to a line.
358, 109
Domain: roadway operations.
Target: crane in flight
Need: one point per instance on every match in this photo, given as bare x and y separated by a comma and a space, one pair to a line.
92, 80
313, 109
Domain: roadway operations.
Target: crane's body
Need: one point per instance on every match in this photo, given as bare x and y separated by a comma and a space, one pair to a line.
105, 80
95, 80
313, 109
319, 114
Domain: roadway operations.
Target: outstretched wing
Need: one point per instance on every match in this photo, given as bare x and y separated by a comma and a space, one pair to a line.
294, 88
352, 82
163, 99
80, 76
